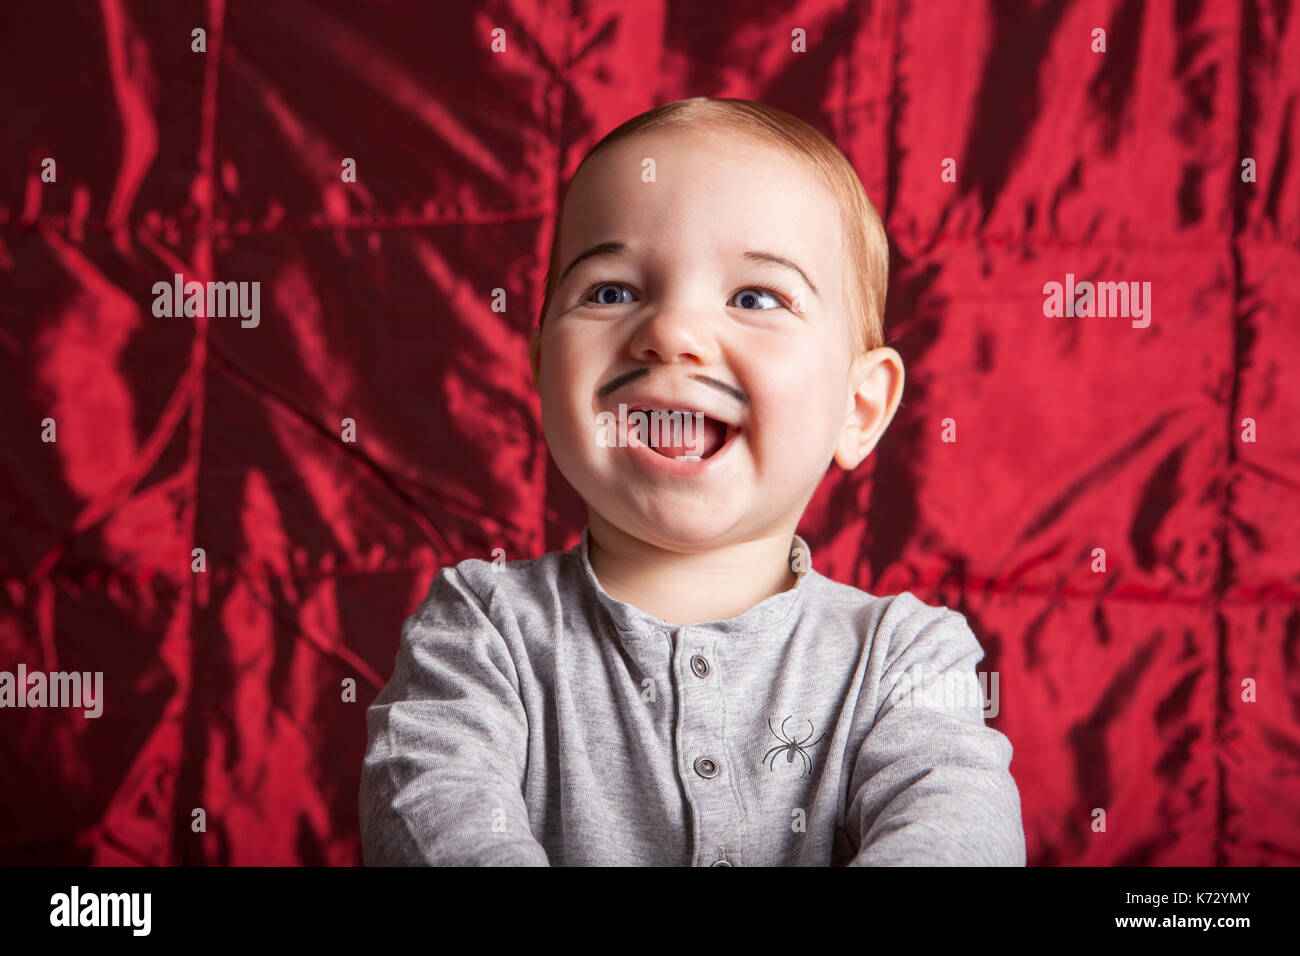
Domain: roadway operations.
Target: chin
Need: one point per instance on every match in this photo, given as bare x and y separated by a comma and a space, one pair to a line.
678, 530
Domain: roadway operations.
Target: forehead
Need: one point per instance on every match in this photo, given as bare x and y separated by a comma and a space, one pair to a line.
711, 190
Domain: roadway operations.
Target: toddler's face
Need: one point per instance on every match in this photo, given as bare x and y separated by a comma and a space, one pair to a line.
687, 315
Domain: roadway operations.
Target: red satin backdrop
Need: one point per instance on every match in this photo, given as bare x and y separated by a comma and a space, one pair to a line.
1119, 690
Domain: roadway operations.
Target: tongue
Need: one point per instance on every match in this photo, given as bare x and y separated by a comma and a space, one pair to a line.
705, 440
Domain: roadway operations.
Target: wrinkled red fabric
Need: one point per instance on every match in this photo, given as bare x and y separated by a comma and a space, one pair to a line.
1164, 691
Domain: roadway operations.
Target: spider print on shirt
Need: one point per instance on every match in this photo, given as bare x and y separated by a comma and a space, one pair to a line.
790, 746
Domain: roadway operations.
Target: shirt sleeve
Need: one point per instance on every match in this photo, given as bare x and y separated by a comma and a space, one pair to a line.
442, 779
931, 785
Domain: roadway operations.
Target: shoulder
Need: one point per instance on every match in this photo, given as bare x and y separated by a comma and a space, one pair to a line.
892, 623
477, 610
496, 587
932, 634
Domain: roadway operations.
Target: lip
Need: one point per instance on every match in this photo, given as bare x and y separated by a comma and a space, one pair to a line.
650, 459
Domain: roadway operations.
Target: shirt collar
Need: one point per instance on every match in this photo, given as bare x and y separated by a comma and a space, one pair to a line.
767, 615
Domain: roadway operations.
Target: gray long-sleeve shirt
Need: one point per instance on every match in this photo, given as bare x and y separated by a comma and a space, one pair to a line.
533, 719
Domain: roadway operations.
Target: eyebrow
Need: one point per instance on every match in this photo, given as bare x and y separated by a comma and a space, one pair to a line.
601, 249
781, 261
618, 248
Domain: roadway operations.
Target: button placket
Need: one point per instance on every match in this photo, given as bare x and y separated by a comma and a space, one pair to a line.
703, 709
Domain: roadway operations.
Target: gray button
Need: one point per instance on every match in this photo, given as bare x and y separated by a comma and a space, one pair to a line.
706, 767
700, 666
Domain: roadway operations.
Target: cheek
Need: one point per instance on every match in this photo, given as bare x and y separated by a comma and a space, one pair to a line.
796, 407
568, 384
795, 434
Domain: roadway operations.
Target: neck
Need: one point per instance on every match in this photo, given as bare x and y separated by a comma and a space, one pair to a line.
691, 587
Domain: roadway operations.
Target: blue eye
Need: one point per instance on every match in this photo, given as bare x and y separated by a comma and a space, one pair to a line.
603, 296
751, 296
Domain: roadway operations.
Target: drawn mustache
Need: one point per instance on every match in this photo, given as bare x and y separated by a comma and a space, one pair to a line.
639, 373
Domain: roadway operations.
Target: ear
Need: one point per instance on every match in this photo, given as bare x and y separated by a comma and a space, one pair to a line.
875, 391
535, 353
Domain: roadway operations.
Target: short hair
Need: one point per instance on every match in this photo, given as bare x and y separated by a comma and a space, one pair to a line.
864, 233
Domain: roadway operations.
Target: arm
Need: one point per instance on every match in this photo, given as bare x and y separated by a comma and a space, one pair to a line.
447, 736
931, 785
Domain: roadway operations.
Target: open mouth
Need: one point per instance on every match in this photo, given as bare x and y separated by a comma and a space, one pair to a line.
684, 436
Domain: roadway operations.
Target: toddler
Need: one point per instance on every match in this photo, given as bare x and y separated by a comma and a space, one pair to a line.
682, 687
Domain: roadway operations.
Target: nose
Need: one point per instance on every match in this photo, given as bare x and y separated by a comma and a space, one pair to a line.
676, 330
